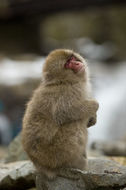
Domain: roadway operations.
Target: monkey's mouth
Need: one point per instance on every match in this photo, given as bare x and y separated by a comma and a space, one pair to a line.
74, 64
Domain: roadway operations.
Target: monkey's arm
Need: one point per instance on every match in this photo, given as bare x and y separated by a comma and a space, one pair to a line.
73, 112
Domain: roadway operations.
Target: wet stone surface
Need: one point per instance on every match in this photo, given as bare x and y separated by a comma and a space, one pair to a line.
103, 174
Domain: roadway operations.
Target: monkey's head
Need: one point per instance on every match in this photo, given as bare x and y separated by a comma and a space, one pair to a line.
64, 66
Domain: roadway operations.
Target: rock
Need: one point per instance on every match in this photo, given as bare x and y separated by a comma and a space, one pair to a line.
120, 159
101, 165
102, 174
15, 151
114, 148
17, 175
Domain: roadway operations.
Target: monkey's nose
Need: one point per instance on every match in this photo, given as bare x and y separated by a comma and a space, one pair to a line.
76, 63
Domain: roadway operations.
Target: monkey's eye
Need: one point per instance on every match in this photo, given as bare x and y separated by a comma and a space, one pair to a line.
69, 60
72, 58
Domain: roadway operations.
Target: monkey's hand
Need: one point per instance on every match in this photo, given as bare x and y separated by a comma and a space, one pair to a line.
93, 118
92, 121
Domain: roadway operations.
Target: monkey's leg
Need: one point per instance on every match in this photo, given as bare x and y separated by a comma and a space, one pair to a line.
47, 172
44, 171
79, 162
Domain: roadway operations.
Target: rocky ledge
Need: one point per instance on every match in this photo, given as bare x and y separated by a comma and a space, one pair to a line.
17, 175
103, 174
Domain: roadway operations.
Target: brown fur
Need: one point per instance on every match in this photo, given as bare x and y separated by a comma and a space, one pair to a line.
55, 122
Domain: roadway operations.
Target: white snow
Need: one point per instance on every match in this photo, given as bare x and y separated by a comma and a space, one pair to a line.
15, 72
111, 95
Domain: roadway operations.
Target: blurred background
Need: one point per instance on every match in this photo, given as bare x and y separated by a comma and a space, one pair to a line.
30, 29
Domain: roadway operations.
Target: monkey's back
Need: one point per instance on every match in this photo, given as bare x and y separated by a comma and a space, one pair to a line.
47, 143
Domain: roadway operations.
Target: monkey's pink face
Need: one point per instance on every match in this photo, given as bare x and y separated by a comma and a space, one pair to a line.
74, 64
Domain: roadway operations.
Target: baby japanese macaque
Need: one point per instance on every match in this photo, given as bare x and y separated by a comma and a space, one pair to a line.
55, 123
